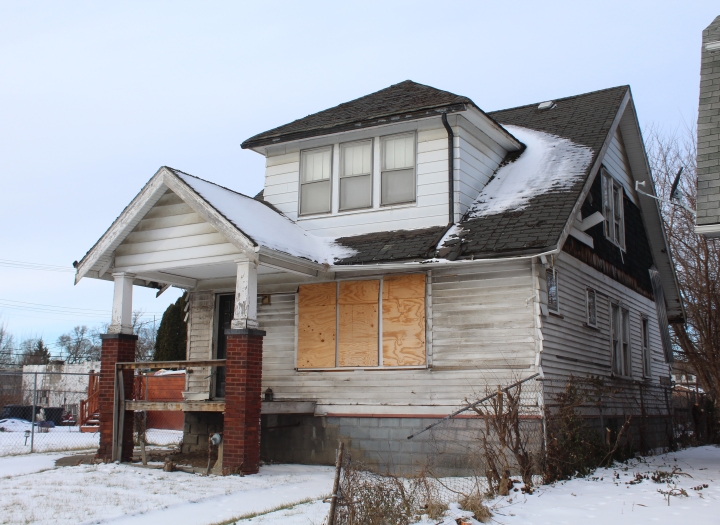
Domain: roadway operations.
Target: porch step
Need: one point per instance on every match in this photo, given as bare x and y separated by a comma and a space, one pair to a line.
90, 428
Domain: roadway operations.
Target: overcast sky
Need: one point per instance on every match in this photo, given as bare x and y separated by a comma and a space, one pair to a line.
95, 97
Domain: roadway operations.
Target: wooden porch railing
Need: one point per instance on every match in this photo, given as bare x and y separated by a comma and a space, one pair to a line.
89, 406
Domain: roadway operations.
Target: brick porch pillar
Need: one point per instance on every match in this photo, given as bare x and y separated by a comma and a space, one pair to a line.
241, 432
116, 348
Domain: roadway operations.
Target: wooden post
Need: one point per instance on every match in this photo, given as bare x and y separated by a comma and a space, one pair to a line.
336, 484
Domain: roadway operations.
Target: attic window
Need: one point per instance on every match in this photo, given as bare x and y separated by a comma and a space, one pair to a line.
546, 105
612, 193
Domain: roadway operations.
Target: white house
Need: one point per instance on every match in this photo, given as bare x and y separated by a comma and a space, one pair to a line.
407, 250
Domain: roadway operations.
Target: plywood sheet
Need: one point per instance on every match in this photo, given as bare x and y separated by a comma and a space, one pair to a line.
404, 320
317, 323
358, 338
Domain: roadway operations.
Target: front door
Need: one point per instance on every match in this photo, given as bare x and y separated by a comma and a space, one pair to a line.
226, 310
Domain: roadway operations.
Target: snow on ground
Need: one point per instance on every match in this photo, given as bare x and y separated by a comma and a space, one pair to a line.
549, 163
609, 498
69, 439
130, 495
123, 494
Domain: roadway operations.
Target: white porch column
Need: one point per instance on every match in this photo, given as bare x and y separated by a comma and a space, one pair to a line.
245, 295
122, 304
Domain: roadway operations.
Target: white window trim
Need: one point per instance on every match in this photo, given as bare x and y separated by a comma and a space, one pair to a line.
331, 147
341, 163
627, 357
587, 307
645, 342
557, 290
382, 140
609, 225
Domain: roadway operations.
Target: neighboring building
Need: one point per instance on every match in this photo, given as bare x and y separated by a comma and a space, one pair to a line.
59, 385
708, 134
408, 250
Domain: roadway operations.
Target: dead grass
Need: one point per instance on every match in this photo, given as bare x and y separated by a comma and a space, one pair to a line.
285, 506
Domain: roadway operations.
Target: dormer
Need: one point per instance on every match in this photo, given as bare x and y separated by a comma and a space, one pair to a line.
382, 162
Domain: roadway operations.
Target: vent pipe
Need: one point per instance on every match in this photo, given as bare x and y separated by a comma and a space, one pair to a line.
451, 170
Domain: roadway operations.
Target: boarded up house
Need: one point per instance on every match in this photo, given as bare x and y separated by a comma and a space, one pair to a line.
407, 250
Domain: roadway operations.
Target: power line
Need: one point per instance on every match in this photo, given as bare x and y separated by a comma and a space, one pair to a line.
25, 265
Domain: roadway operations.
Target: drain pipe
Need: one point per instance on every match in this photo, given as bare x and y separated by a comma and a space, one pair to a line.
451, 170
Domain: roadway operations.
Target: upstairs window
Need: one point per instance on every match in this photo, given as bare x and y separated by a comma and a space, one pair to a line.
356, 175
398, 169
552, 290
613, 210
620, 340
315, 170
591, 307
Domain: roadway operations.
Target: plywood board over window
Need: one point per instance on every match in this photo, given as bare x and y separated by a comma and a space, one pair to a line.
403, 318
316, 325
358, 342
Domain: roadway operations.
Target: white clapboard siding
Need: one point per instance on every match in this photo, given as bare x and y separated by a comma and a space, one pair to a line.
476, 158
482, 335
169, 233
200, 334
570, 347
616, 162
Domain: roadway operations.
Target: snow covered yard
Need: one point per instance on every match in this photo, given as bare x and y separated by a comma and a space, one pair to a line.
33, 491
121, 494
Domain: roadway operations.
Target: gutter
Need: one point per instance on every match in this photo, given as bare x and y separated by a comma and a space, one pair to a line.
451, 170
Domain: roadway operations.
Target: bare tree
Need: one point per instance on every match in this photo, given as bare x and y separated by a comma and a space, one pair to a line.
697, 258
7, 348
33, 351
78, 345
146, 330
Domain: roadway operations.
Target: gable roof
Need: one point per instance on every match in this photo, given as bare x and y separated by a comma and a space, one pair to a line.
246, 222
407, 100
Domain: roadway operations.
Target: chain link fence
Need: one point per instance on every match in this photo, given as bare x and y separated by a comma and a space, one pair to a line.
42, 410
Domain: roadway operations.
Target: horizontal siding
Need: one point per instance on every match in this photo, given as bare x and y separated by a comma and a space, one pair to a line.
570, 347
171, 232
616, 162
200, 333
483, 334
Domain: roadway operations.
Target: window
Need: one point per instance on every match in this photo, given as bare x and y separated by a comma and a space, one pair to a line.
398, 169
368, 323
620, 340
315, 169
646, 347
591, 307
552, 290
356, 175
613, 210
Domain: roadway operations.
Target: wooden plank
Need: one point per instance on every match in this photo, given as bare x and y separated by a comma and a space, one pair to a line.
177, 406
358, 338
157, 365
404, 320
317, 313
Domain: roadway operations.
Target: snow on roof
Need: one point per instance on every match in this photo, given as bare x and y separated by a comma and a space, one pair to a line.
265, 226
549, 163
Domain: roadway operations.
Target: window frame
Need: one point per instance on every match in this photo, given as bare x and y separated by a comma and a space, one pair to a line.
341, 168
645, 342
592, 291
613, 193
554, 273
620, 347
383, 141
428, 343
329, 180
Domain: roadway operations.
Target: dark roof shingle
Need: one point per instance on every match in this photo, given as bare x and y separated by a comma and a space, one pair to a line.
403, 101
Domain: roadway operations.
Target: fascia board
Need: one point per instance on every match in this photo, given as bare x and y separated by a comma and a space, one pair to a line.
660, 248
122, 226
492, 129
593, 171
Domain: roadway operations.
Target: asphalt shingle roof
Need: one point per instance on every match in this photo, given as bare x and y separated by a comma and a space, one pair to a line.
404, 101
584, 119
392, 246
